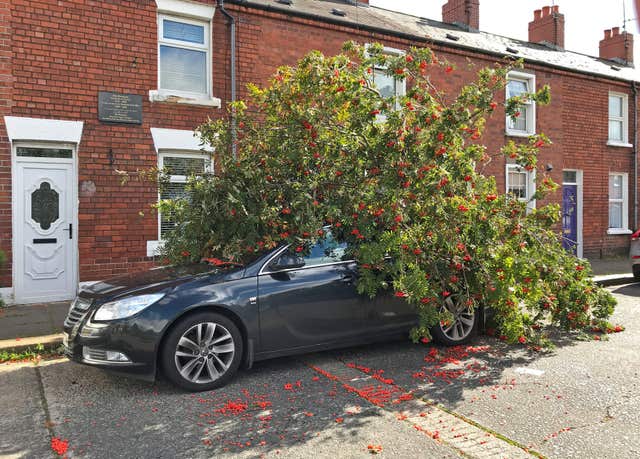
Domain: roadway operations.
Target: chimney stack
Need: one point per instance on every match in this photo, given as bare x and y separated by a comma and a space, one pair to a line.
547, 27
617, 46
462, 12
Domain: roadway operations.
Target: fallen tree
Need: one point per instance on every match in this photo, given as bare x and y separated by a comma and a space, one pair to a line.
400, 180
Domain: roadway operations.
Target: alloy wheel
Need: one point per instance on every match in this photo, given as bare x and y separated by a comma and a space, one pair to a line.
462, 324
204, 352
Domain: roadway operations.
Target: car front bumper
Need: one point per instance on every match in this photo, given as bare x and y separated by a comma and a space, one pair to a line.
96, 344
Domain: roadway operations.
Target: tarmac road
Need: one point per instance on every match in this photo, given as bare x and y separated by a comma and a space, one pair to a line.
484, 400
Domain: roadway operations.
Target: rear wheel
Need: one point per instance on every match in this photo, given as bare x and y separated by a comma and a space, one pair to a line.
636, 272
202, 352
460, 328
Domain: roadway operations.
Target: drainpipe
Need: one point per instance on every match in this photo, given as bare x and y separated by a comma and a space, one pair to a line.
232, 30
635, 155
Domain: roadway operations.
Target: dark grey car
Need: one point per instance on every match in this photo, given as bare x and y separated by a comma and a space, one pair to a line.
198, 324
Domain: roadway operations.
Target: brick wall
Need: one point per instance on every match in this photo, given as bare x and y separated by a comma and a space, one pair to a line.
6, 83
63, 53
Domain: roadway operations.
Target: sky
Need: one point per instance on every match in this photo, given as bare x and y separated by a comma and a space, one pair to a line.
585, 20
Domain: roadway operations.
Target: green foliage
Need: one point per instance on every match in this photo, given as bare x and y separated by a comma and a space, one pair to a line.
401, 181
35, 353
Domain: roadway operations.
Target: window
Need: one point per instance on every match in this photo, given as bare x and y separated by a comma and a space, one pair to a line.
326, 250
386, 84
618, 119
178, 167
184, 56
37, 152
618, 204
519, 84
520, 184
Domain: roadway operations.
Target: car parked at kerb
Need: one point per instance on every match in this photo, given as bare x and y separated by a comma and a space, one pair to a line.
198, 324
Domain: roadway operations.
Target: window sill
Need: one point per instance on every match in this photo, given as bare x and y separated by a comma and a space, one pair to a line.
153, 248
518, 134
157, 96
613, 143
614, 231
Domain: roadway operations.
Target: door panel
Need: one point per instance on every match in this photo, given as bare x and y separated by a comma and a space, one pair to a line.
44, 240
309, 306
570, 217
387, 313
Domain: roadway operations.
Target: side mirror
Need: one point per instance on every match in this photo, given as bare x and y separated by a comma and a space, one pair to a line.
287, 261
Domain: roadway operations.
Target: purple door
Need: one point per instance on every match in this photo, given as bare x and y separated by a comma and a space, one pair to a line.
570, 217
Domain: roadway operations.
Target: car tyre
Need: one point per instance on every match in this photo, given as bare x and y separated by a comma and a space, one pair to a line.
201, 352
636, 272
463, 327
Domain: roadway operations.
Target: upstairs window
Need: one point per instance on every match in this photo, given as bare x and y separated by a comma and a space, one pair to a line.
386, 84
179, 167
524, 124
184, 56
618, 119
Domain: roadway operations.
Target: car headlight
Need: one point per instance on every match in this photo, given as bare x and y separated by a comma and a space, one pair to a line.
126, 307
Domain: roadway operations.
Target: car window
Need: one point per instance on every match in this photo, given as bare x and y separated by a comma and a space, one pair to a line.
325, 250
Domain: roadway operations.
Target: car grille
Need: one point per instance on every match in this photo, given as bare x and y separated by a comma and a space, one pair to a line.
77, 311
95, 354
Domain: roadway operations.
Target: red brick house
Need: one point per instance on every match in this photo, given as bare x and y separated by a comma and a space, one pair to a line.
89, 88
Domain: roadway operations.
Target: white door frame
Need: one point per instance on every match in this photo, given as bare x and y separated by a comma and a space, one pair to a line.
578, 183
16, 200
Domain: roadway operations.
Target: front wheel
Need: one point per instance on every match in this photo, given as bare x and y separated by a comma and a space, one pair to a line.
458, 330
202, 352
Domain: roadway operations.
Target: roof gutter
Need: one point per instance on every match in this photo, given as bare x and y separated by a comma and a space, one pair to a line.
232, 32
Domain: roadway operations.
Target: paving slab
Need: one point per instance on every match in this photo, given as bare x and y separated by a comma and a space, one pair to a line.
32, 320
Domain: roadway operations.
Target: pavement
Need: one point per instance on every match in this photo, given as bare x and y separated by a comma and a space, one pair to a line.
485, 400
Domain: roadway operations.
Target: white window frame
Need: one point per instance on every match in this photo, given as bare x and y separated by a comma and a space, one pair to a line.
401, 85
206, 48
208, 168
175, 142
189, 13
530, 80
625, 204
624, 142
530, 183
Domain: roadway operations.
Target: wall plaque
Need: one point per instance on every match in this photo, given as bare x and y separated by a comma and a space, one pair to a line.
114, 107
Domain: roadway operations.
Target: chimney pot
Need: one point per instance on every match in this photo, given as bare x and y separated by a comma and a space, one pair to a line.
617, 46
462, 12
547, 27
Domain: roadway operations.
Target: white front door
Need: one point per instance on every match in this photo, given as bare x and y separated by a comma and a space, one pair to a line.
44, 224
